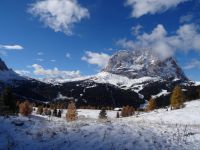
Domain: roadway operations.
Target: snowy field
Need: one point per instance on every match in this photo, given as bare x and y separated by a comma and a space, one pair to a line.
158, 130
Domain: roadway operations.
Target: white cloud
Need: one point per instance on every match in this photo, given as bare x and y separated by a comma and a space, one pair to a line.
11, 47
193, 64
55, 73
40, 53
186, 38
100, 59
143, 7
60, 15
23, 72
68, 55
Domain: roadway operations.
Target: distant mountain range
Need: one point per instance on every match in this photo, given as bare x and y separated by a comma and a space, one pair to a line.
130, 78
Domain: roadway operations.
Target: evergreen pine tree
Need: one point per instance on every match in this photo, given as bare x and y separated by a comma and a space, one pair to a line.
55, 112
1, 102
9, 100
117, 115
59, 113
71, 114
2, 106
103, 114
177, 98
151, 105
199, 94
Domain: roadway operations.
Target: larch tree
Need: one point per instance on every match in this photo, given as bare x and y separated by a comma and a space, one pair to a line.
177, 98
151, 105
123, 111
25, 108
127, 111
71, 114
131, 111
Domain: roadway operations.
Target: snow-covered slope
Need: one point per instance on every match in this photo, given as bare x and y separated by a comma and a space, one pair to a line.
161, 129
197, 83
189, 115
57, 80
123, 81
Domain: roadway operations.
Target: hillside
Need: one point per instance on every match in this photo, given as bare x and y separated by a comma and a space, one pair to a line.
177, 129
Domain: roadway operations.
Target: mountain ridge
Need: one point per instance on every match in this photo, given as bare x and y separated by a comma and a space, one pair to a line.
106, 88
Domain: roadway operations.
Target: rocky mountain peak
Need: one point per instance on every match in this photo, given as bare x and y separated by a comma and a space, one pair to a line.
3, 66
143, 62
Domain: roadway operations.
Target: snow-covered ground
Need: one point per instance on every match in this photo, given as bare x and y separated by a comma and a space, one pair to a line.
106, 77
118, 80
160, 129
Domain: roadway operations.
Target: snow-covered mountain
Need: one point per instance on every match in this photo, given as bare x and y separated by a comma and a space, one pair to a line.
130, 78
143, 63
133, 69
8, 75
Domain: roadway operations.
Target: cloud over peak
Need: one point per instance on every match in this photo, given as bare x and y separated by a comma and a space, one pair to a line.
60, 15
143, 7
186, 38
99, 59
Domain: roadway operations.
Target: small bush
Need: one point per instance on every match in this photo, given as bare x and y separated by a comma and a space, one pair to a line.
103, 114
25, 108
127, 111
40, 110
71, 114
49, 112
45, 110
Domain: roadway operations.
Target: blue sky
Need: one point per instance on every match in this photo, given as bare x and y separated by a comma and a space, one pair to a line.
72, 38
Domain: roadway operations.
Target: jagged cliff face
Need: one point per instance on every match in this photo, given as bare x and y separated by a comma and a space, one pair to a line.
142, 63
3, 66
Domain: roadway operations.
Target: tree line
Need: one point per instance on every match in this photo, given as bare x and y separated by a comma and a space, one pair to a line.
9, 106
